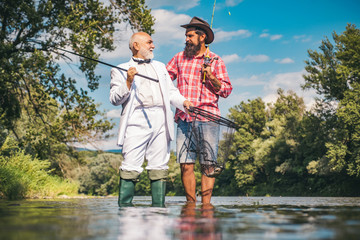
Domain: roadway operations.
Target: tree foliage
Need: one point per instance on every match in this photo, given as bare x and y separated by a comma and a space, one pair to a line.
284, 149
40, 106
334, 73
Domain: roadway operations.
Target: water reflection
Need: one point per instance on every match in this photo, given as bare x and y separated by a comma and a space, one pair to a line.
228, 218
144, 223
197, 223
58, 219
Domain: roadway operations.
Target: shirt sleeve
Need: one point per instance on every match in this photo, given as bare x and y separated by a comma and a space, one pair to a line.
119, 91
222, 75
172, 69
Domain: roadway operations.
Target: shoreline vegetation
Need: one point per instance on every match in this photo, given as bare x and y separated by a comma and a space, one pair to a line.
25, 177
281, 148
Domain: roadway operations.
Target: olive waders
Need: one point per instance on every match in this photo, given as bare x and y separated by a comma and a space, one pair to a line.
127, 187
158, 187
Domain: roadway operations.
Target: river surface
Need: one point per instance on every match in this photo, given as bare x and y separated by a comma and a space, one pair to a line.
227, 218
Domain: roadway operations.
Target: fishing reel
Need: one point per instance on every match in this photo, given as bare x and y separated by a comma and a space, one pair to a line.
208, 60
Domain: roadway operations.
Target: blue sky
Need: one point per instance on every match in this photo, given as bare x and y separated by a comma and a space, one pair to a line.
264, 44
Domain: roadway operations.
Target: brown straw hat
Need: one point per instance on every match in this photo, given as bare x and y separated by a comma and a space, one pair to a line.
203, 25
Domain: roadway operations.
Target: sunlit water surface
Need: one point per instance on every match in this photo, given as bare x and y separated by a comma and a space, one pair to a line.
227, 218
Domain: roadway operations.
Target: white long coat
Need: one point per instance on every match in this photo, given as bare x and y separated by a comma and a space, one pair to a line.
121, 95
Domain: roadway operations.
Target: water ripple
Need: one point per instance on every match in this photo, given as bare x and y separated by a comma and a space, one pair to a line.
226, 218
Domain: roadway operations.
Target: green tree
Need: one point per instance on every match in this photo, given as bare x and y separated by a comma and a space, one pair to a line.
40, 106
276, 154
242, 167
334, 73
99, 177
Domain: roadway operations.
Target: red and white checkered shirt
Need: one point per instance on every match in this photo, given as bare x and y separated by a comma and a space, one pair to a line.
187, 71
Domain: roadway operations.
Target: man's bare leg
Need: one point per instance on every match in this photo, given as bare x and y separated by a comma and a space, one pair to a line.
189, 181
207, 186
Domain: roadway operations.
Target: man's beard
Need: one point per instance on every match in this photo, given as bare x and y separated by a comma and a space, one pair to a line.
147, 54
191, 49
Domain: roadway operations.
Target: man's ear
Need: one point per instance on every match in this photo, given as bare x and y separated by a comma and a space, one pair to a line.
136, 46
202, 38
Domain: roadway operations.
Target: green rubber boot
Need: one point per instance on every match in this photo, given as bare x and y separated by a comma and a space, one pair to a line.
158, 188
126, 192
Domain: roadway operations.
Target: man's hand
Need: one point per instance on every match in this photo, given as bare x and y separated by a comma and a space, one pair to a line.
206, 69
130, 76
187, 104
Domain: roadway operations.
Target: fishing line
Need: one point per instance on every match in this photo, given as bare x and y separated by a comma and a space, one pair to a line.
98, 61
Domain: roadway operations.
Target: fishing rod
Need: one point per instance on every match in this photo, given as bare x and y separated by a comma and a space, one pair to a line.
98, 61
207, 59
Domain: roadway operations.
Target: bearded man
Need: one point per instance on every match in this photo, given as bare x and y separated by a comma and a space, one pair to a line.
146, 121
189, 68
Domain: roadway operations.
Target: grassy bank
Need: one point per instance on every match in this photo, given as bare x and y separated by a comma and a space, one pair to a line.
22, 176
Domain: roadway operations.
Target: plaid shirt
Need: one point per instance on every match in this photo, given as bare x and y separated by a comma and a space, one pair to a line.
187, 71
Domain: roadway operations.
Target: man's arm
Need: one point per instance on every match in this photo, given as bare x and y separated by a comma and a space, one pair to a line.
218, 78
119, 90
172, 68
212, 78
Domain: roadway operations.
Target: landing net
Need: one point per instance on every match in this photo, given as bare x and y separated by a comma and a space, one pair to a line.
211, 148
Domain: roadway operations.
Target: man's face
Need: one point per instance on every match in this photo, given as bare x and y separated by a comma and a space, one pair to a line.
192, 45
192, 37
146, 47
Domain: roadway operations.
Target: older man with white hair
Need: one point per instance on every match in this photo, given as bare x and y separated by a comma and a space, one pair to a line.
146, 121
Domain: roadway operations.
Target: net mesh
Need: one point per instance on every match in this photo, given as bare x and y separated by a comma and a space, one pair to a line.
212, 156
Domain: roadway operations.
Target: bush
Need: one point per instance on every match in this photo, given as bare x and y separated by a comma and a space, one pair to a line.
22, 176
100, 175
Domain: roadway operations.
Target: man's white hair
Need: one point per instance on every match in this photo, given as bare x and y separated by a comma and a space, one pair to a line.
133, 39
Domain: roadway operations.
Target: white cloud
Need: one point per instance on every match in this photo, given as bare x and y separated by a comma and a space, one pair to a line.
271, 83
302, 38
179, 5
256, 58
299, 37
167, 27
115, 113
288, 81
106, 144
284, 61
275, 37
232, 3
233, 99
249, 58
121, 41
168, 30
271, 37
221, 36
254, 80
230, 58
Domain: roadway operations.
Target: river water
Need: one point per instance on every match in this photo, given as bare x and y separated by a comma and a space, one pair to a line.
227, 218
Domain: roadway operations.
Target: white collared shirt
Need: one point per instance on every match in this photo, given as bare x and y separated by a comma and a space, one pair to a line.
148, 92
